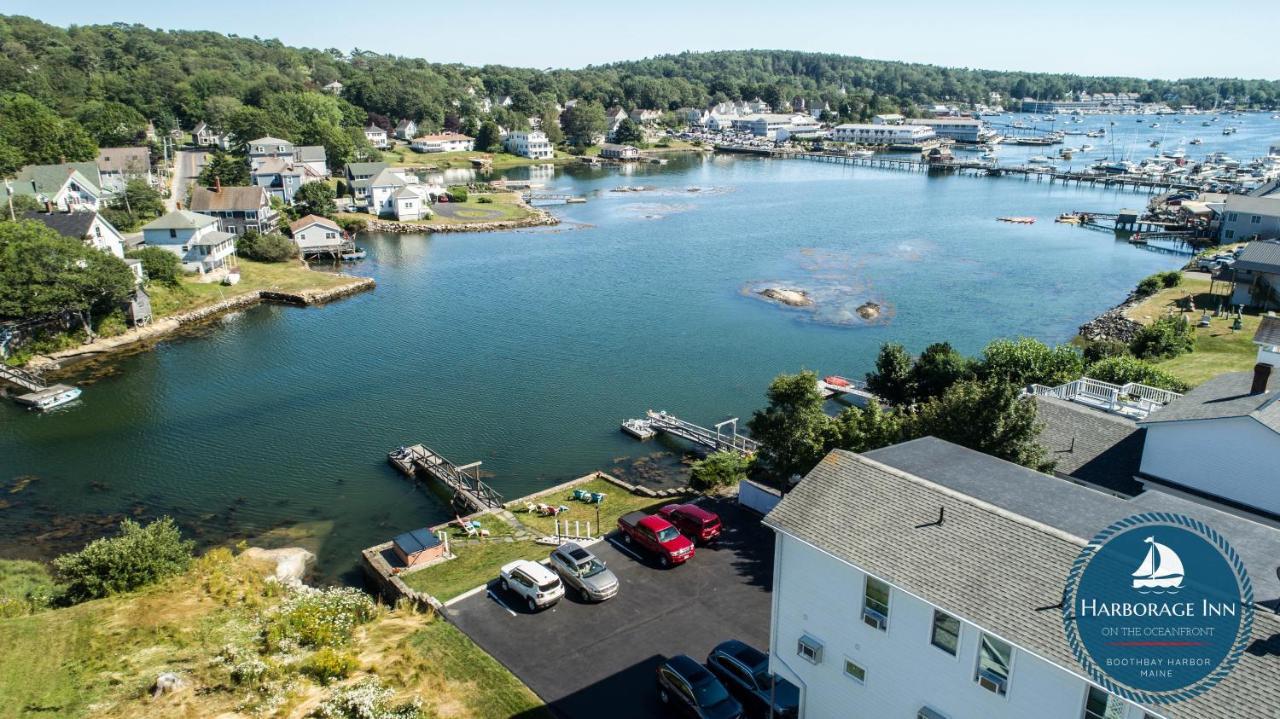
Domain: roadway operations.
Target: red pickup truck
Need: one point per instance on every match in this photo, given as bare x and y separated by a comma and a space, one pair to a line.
656, 536
693, 521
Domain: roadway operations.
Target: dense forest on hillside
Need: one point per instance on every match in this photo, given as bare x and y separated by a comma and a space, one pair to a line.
109, 79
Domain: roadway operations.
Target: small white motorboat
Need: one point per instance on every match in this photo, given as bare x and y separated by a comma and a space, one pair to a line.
50, 397
358, 253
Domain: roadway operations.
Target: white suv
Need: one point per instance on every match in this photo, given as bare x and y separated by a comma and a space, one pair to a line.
539, 586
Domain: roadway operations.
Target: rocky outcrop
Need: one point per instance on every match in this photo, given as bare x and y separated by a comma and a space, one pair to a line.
290, 562
868, 311
168, 683
787, 296
1110, 325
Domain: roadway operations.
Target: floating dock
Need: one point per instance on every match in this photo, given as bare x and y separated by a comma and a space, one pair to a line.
853, 390
469, 493
724, 437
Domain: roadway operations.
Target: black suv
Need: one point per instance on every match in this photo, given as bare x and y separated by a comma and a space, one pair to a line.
686, 686
745, 673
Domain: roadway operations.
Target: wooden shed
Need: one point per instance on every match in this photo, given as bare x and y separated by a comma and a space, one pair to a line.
418, 547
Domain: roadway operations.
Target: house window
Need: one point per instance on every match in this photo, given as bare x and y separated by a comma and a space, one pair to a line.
946, 632
1231, 217
930, 713
854, 672
173, 233
1231, 234
97, 231
809, 649
1256, 219
875, 604
994, 659
1099, 704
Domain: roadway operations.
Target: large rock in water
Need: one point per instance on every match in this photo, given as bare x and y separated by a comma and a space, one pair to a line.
789, 297
291, 562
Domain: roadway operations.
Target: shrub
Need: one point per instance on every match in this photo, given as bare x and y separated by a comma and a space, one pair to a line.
485, 200
137, 557
1149, 286
367, 699
245, 667
25, 587
892, 380
352, 225
159, 264
1123, 370
1168, 336
1027, 361
266, 248
319, 617
1172, 278
458, 193
1103, 349
329, 664
112, 324
718, 469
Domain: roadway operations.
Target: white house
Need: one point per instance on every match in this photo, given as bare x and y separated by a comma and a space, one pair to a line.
314, 157
960, 129
118, 165
610, 151
400, 195
612, 118
268, 148
406, 129
918, 581
194, 238
641, 116
871, 134
532, 144
313, 234
1249, 218
90, 227
443, 142
64, 187
1222, 438
891, 118
358, 175
203, 135
334, 87
376, 136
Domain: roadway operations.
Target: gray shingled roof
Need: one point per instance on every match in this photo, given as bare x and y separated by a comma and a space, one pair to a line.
180, 220
228, 199
124, 159
1092, 445
310, 153
1260, 256
1000, 569
1223, 396
1268, 332
356, 169
75, 225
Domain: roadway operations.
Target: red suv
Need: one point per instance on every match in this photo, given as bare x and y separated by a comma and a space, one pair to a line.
693, 521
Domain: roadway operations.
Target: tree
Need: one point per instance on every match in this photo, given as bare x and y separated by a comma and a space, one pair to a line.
39, 135
137, 557
937, 368
314, 198
992, 416
793, 431
892, 379
1123, 370
1026, 361
139, 203
487, 136
1167, 337
628, 133
270, 247
583, 123
861, 429
550, 124
112, 124
43, 273
718, 469
223, 167
160, 265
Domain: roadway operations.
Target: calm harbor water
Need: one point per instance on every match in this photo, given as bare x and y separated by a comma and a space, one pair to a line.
525, 349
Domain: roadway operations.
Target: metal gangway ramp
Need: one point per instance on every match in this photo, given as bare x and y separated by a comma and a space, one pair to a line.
724, 437
23, 379
464, 480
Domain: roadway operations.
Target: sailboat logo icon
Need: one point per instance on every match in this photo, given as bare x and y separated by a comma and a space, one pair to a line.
1161, 570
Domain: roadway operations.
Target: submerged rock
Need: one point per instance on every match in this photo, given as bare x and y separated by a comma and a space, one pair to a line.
868, 310
786, 296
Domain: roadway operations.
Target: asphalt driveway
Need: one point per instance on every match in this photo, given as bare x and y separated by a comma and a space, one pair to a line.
594, 660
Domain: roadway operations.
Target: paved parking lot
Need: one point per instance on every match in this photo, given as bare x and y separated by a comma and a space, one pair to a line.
598, 660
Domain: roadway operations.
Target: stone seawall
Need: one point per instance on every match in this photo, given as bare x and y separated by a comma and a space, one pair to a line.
1112, 324
167, 325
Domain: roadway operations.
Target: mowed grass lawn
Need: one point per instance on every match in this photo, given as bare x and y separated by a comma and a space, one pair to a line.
402, 155
291, 276
617, 502
1218, 348
500, 207
472, 566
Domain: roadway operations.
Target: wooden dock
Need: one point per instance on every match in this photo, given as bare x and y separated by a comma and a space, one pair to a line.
469, 493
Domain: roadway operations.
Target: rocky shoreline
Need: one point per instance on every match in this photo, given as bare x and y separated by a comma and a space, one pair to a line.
539, 218
1112, 324
168, 325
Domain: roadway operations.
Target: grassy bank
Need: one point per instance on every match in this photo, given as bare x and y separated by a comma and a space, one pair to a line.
617, 502
402, 155
498, 207
24, 587
99, 659
1218, 348
291, 276
473, 565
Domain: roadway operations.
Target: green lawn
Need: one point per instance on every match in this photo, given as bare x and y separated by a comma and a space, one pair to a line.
492, 691
617, 502
504, 207
1218, 349
472, 565
23, 586
290, 276
402, 155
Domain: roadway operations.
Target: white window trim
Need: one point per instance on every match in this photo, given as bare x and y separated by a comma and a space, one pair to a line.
844, 669
813, 643
977, 666
959, 635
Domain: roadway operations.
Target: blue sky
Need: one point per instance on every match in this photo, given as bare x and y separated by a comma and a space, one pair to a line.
1169, 39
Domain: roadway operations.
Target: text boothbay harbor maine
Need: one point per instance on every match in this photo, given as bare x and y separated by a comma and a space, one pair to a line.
1158, 608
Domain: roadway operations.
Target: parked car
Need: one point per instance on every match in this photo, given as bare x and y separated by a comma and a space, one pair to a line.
539, 586
583, 571
1209, 263
744, 671
687, 687
657, 536
693, 521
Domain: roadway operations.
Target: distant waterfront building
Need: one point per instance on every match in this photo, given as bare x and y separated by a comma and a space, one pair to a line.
118, 165
194, 238
610, 151
313, 234
888, 119
1248, 218
406, 129
443, 142
532, 144
66, 187
376, 136
871, 134
918, 581
359, 174
237, 209
960, 129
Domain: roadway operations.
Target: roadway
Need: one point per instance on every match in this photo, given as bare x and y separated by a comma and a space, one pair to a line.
186, 166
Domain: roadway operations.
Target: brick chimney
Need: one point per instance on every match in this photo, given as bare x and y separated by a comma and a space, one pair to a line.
217, 183
1261, 377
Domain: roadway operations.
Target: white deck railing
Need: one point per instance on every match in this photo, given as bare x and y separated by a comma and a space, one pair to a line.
1131, 400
